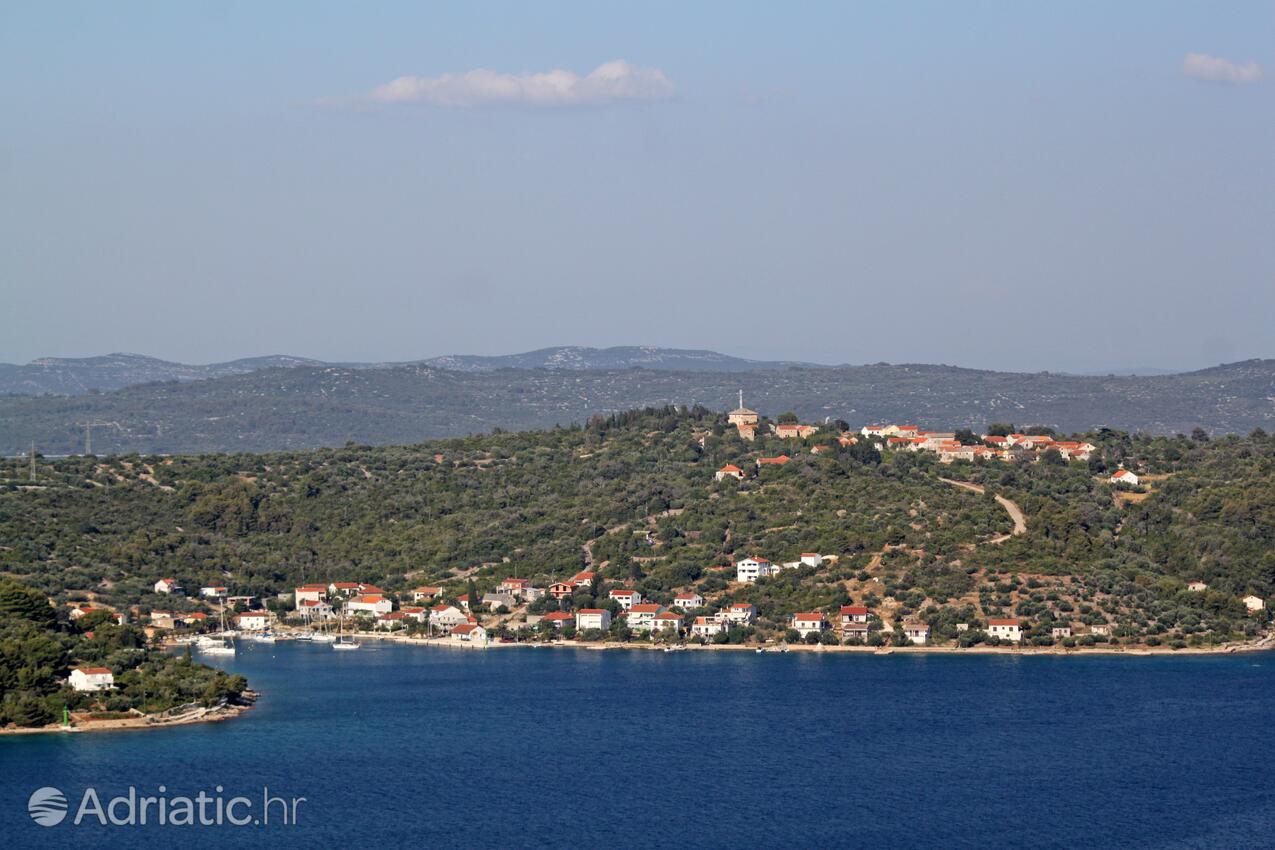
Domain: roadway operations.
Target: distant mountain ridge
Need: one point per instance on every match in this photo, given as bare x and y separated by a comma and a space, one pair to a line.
310, 406
80, 375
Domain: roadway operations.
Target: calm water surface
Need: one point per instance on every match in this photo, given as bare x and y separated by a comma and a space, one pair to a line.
396, 746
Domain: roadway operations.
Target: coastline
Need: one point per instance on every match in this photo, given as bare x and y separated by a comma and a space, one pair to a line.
145, 721
1263, 644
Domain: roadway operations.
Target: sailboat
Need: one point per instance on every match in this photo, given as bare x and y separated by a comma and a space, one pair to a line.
345, 641
218, 646
322, 635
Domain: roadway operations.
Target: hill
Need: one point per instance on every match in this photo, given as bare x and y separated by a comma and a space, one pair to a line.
77, 376
634, 497
306, 406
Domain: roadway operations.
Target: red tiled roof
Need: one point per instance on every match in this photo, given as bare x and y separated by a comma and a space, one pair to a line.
994, 621
858, 610
645, 608
93, 671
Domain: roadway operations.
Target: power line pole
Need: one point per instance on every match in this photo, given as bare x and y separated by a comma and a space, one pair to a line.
32, 455
88, 438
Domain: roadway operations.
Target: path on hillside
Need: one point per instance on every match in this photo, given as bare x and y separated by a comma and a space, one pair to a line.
1011, 508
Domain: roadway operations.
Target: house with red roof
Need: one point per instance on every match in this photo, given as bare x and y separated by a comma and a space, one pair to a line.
369, 603
626, 598
1005, 628
167, 585
706, 627
558, 618
795, 432
810, 622
470, 633
584, 578
741, 613
729, 471
1124, 476
780, 460
641, 617
562, 589
851, 614
688, 601
446, 617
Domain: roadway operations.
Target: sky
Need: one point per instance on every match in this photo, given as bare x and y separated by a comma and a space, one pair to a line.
1079, 186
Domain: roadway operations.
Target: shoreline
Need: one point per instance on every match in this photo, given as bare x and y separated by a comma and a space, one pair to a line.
145, 721
1263, 644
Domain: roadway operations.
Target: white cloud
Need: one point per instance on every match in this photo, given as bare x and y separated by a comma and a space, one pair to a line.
611, 82
1202, 66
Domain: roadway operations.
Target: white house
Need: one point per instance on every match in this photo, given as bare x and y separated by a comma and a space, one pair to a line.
387, 622
211, 592
1061, 631
918, 633
315, 609
853, 614
1100, 629
252, 621
1124, 476
91, 679
446, 617
1254, 603
369, 604
1005, 629
729, 471
742, 614
308, 593
593, 618
1197, 587
688, 601
344, 588
470, 632
809, 623
426, 593
557, 618
706, 627
749, 570
642, 616
626, 598
811, 559
667, 621
167, 585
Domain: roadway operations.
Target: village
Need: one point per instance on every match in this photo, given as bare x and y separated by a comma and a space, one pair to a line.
587, 608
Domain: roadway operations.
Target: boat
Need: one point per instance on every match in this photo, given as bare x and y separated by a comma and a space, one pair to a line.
321, 637
344, 641
222, 645
760, 650
263, 637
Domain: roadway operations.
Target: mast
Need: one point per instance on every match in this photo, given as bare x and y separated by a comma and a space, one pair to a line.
741, 399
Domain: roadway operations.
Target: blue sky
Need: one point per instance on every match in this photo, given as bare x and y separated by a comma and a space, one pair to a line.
1037, 186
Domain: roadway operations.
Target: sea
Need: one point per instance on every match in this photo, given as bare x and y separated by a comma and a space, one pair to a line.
406, 746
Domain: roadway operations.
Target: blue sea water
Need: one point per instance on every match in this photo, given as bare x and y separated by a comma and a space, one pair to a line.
398, 746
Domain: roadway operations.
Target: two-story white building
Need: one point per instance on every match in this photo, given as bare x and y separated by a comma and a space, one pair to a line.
252, 621
917, 633
627, 598
688, 601
309, 593
706, 627
593, 618
91, 679
741, 614
748, 570
642, 616
667, 621
807, 623
444, 617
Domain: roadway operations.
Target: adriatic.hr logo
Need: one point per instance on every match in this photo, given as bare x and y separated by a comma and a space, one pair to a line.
48, 807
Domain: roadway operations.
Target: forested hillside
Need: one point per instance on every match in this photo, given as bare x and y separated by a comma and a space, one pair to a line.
635, 495
39, 645
306, 407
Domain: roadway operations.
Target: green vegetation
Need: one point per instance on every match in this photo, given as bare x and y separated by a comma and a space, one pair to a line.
633, 496
38, 647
